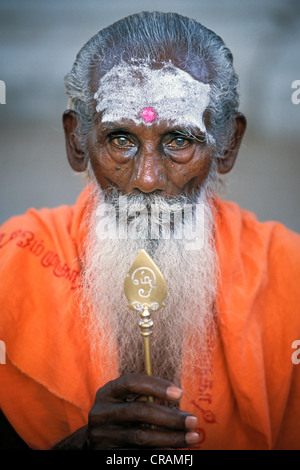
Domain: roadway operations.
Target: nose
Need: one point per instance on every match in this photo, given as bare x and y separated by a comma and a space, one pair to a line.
149, 172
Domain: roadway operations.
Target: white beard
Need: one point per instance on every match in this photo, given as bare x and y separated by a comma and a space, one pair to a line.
189, 313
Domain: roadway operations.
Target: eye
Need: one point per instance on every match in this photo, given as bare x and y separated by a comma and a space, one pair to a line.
179, 147
121, 141
178, 143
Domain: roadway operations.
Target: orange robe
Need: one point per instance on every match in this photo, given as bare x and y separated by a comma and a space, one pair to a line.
246, 397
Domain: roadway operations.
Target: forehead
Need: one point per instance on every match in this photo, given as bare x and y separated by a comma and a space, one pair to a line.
197, 67
149, 94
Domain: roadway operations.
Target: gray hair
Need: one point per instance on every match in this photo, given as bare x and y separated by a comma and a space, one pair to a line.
151, 36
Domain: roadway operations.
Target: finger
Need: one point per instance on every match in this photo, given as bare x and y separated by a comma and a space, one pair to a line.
140, 384
143, 438
142, 412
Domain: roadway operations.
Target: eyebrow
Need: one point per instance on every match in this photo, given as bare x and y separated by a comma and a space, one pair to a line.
191, 132
114, 126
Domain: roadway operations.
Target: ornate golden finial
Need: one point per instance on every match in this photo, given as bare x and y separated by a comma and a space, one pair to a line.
145, 289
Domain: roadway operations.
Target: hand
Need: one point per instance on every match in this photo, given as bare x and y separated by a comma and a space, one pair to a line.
121, 417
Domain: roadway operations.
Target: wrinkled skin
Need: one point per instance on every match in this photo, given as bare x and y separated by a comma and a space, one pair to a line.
118, 417
123, 418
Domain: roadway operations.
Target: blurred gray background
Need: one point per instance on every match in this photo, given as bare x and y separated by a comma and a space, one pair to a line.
38, 44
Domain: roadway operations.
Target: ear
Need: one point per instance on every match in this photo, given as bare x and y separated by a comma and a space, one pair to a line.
226, 162
76, 156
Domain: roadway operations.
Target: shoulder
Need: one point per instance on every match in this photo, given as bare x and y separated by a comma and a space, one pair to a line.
34, 250
260, 271
38, 260
270, 242
21, 231
259, 265
40, 274
38, 232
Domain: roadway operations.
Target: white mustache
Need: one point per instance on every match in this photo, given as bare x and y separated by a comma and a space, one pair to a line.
153, 217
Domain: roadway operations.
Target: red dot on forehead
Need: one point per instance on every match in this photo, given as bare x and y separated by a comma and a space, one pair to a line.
149, 114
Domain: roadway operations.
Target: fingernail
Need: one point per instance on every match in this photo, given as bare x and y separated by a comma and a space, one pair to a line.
174, 392
191, 422
191, 438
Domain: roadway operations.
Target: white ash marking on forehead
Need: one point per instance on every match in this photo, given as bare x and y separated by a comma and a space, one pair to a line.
126, 90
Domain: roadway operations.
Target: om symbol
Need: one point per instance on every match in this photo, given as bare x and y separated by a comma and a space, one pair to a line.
145, 278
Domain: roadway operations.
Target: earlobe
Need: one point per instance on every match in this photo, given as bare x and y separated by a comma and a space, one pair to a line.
226, 162
76, 155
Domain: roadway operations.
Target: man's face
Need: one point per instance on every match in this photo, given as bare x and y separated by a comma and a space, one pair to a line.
157, 158
152, 132
141, 140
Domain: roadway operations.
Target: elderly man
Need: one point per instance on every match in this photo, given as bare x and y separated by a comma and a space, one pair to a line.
152, 123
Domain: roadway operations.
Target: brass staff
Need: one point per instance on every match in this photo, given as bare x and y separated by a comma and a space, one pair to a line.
145, 289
